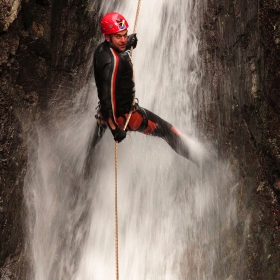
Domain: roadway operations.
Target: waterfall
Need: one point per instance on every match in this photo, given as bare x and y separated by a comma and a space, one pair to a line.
172, 214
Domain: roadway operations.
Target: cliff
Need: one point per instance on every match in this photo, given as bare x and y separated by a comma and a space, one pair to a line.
240, 46
45, 46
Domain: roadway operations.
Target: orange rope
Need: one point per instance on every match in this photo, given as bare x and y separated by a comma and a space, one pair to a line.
116, 212
116, 163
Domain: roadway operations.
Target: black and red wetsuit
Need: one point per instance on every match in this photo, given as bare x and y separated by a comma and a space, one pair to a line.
114, 80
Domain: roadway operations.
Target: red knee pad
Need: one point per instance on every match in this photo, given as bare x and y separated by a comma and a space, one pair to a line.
150, 128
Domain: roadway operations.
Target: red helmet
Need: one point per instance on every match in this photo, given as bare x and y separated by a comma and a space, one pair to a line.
113, 23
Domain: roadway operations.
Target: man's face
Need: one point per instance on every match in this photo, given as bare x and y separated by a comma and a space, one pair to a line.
118, 40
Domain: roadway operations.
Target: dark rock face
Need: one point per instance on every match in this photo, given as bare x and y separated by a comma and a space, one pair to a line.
45, 45
241, 51
8, 13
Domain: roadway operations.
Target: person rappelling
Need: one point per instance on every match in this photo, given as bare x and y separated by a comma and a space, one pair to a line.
113, 71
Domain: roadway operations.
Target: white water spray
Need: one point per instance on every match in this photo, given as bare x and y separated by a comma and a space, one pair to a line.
171, 213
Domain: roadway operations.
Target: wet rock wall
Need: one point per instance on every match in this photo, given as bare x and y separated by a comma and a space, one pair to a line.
240, 47
46, 46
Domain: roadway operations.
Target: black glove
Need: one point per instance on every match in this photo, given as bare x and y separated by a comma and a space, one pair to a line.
119, 134
131, 41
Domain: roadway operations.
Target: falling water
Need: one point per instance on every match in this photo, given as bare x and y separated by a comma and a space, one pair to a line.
172, 213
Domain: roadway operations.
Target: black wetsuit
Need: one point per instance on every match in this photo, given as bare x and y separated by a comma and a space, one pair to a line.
114, 80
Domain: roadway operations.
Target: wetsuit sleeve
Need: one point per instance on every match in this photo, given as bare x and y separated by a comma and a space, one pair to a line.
108, 79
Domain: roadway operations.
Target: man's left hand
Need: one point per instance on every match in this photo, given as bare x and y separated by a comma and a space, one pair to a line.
132, 41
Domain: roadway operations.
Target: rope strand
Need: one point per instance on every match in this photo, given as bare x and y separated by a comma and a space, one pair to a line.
137, 15
131, 49
116, 161
116, 211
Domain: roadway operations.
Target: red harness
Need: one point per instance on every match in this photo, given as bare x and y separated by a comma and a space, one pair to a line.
135, 122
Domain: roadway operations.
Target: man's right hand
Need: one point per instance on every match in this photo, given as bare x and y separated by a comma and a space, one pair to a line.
118, 134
